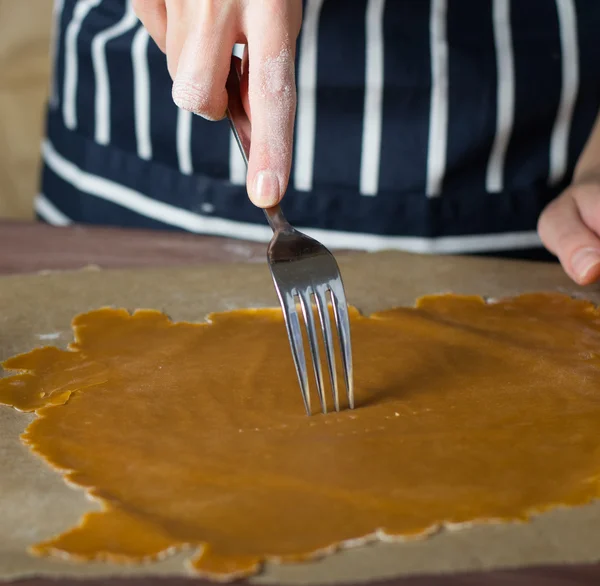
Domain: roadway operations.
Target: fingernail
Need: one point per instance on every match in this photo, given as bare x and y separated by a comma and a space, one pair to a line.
266, 189
584, 260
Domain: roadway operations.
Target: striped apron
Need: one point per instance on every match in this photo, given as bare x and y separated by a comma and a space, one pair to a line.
437, 126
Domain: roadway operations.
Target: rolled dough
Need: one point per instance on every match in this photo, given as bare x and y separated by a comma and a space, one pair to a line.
193, 436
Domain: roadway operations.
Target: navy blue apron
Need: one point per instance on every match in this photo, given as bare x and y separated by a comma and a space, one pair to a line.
441, 126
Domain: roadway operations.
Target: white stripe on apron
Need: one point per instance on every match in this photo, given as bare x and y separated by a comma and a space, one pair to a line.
184, 141
141, 93
237, 166
438, 116
82, 9
103, 90
373, 113
54, 44
49, 212
505, 89
307, 89
559, 143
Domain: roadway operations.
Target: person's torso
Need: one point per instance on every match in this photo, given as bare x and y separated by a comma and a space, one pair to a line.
427, 125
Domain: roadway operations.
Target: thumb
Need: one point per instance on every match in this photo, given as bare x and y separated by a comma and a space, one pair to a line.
569, 228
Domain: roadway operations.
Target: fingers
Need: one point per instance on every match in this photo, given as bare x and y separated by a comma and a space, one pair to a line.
569, 228
272, 27
200, 38
153, 15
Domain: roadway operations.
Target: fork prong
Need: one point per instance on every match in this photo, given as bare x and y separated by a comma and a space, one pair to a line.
342, 320
292, 323
309, 320
321, 299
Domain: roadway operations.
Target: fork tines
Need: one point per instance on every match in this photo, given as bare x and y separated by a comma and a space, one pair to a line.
340, 312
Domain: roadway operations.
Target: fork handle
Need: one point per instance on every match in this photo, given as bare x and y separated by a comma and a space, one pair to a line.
242, 128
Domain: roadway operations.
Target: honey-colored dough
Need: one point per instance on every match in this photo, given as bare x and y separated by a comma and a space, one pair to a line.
194, 435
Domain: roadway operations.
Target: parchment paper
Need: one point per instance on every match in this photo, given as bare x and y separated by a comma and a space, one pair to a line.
35, 503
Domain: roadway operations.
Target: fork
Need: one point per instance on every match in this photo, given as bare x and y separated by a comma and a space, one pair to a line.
301, 267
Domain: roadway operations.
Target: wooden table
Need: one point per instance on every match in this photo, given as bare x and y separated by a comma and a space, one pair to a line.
30, 247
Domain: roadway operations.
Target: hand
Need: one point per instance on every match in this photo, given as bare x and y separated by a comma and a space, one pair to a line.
198, 37
570, 228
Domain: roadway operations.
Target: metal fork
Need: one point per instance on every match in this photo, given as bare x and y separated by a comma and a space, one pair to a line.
301, 267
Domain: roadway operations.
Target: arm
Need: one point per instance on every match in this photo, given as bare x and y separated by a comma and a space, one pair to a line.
570, 226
